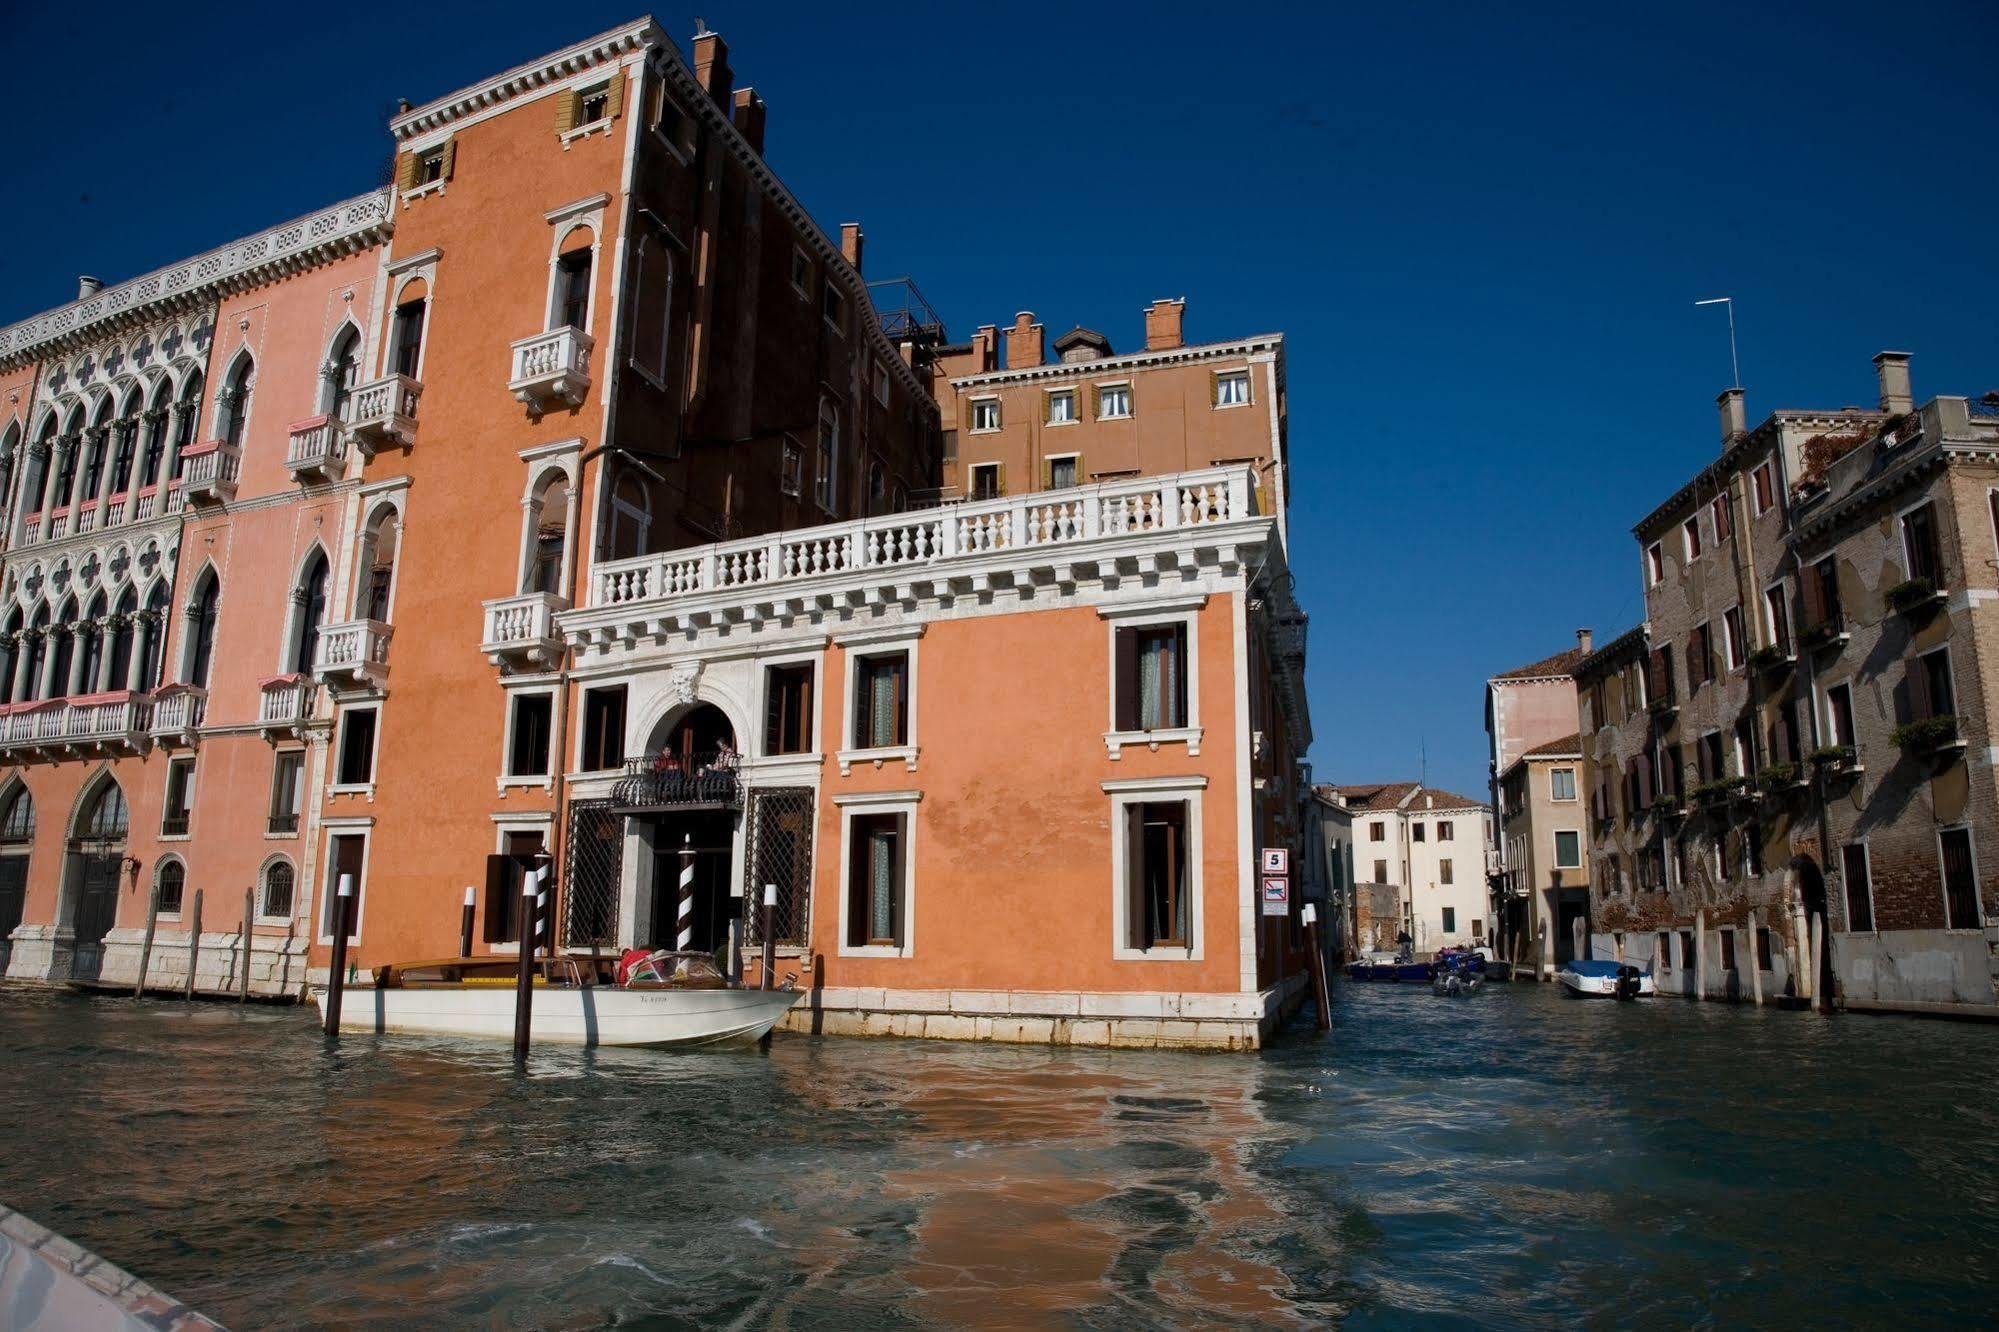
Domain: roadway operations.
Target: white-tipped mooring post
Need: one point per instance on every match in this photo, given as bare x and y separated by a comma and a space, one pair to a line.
465, 921
194, 944
1316, 957
766, 923
524, 981
146, 948
686, 935
1756, 958
1700, 955
336, 980
736, 933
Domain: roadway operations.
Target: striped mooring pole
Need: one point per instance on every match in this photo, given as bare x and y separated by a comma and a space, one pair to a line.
686, 892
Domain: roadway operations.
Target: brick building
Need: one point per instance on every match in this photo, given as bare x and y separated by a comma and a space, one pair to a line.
1797, 736
563, 498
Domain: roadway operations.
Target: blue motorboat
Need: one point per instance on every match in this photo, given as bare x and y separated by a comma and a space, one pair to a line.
1605, 978
1415, 973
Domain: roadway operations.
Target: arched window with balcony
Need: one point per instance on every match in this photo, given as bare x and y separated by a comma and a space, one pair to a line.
308, 612
341, 375
406, 328
97, 448
158, 415
38, 656
377, 564
66, 474
153, 638
64, 652
12, 645
120, 636
232, 403
548, 522
569, 286
35, 481
198, 634
126, 452
17, 837
90, 646
189, 423
10, 462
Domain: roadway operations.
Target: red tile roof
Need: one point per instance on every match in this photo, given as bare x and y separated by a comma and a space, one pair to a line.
1568, 744
1562, 663
1388, 797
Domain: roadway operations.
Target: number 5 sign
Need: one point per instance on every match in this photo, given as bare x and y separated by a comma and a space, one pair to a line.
1276, 860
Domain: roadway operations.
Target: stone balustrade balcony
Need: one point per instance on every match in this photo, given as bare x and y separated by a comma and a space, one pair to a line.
178, 710
109, 723
551, 368
382, 414
209, 472
285, 704
354, 654
521, 631
316, 449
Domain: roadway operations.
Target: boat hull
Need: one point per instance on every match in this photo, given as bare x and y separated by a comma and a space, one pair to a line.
569, 1015
1601, 986
1408, 973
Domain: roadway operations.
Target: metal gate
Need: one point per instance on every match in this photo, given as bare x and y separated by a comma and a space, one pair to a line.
779, 852
596, 864
96, 896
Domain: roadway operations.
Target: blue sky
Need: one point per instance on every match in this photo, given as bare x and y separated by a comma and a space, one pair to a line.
1482, 229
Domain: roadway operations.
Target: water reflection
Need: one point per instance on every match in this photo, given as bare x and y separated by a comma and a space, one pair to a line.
1512, 1158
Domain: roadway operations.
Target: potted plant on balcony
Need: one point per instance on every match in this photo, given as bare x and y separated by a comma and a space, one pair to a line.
1915, 596
1712, 795
1770, 657
1835, 760
1776, 779
1828, 632
1929, 737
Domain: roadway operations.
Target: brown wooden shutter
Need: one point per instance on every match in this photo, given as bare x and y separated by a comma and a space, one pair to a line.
1644, 765
999, 478
1078, 464
1125, 675
1920, 703
614, 98
1047, 474
406, 171
568, 106
900, 824
902, 701
857, 881
1047, 408
450, 158
1180, 683
1814, 596
1138, 928
863, 691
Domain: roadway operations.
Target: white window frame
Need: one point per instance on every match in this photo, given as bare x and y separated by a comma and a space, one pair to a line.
1184, 612
1778, 593
545, 462
1655, 564
832, 298
1764, 470
1075, 416
264, 917
826, 462
563, 233
304, 793
878, 802
1902, 531
363, 828
1943, 888
406, 273
1690, 538
877, 643
527, 821
334, 785
1574, 791
1120, 384
972, 480
1248, 389
176, 761
1827, 716
160, 864
760, 705
1867, 860
988, 400
1147, 791
881, 383
506, 780
1052, 458
1555, 849
1734, 651
804, 289
1717, 515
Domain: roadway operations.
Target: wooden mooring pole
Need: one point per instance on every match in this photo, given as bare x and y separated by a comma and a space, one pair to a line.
193, 944
336, 980
524, 980
767, 924
249, 916
146, 948
465, 921
1317, 958
1756, 958
736, 933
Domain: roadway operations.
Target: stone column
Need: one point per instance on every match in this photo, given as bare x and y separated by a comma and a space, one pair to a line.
36, 451
23, 686
76, 680
107, 629
84, 444
46, 689
142, 634
65, 447
1700, 954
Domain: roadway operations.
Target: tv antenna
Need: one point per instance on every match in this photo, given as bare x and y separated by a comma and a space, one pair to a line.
1734, 366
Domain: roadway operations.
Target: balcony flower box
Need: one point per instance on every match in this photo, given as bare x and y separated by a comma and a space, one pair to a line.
1713, 795
1915, 597
1835, 760
1827, 633
1770, 657
1929, 737
1669, 807
1776, 779
1662, 708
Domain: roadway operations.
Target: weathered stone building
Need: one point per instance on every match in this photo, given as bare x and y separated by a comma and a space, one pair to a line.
1798, 708
1544, 838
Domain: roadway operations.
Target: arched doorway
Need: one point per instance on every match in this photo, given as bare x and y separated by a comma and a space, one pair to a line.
17, 835
96, 858
687, 802
1810, 882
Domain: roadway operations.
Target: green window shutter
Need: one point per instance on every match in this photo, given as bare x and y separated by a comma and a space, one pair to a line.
615, 100
406, 171
1047, 474
450, 157
567, 107
999, 478
1047, 408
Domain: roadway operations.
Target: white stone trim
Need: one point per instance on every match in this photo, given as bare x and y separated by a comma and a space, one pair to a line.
1160, 790
878, 802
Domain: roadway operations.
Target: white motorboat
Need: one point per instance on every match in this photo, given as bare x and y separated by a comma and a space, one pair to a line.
1606, 979
684, 1002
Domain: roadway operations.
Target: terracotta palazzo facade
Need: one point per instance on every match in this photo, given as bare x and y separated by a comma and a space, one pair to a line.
575, 497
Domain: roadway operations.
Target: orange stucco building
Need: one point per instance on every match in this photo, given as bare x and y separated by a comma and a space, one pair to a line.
572, 497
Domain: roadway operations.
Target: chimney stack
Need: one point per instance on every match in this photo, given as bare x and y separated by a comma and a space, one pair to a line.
851, 241
750, 118
1165, 323
985, 348
1583, 639
87, 286
1734, 421
1891, 371
1023, 342
711, 66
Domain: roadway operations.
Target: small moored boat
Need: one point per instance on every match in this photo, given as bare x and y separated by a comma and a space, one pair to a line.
660, 1000
1605, 979
1388, 967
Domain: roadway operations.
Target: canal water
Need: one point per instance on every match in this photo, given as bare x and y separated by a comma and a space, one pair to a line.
1510, 1158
